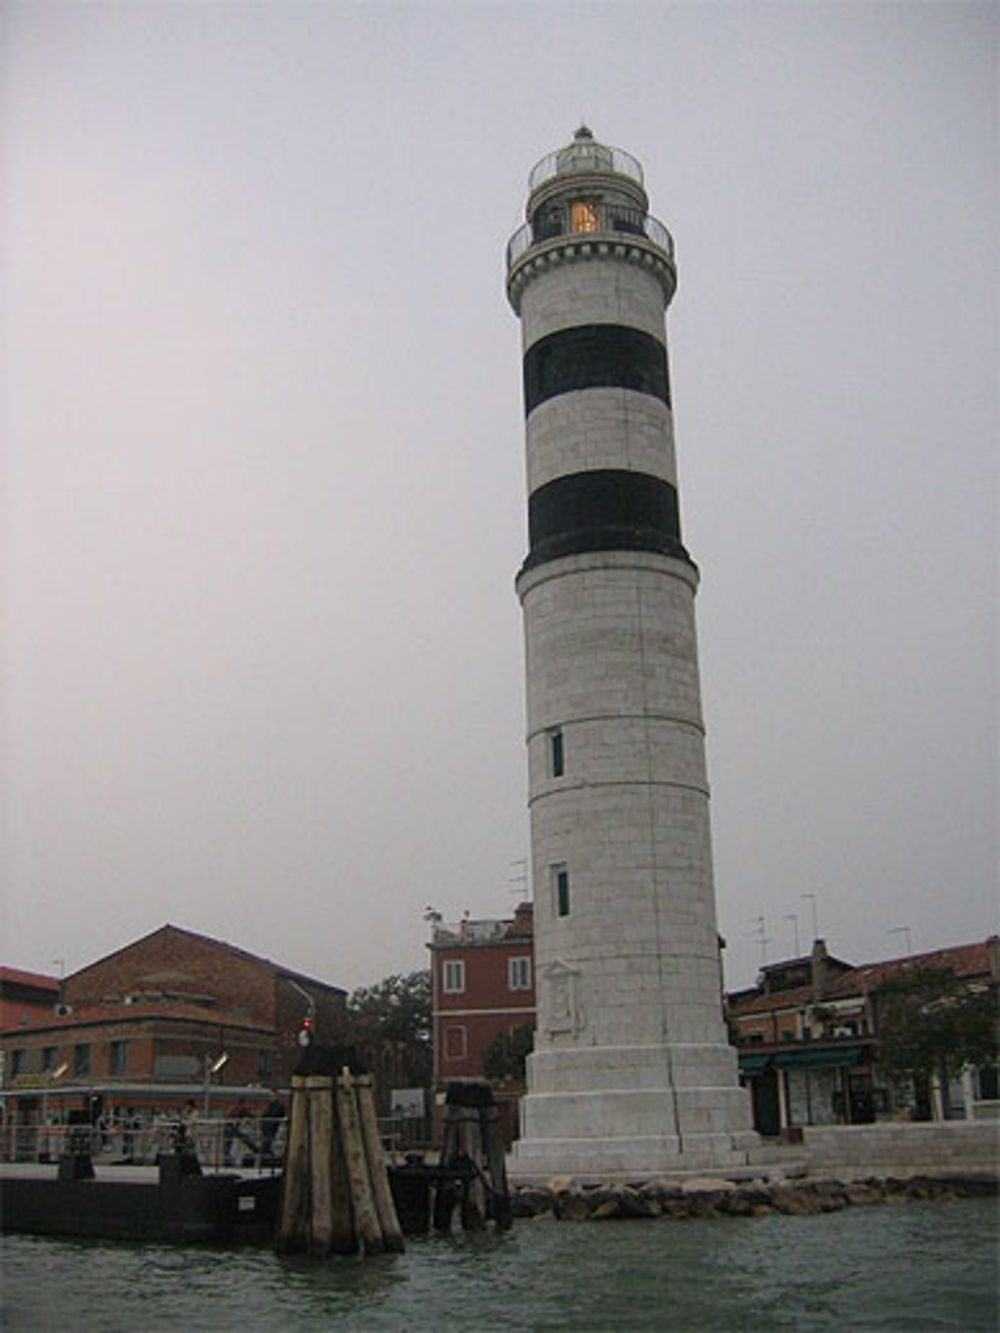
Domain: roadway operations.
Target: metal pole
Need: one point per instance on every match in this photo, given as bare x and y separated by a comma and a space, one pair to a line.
790, 916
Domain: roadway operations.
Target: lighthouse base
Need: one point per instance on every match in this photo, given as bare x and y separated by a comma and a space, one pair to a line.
675, 1109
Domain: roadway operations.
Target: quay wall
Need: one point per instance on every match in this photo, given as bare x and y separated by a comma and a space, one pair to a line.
840, 1152
850, 1151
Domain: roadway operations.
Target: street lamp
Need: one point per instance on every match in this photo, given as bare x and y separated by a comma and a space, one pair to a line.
213, 1067
52, 1075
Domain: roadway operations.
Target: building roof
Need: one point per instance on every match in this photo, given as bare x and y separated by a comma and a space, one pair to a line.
759, 1002
232, 949
487, 931
93, 1015
965, 960
14, 976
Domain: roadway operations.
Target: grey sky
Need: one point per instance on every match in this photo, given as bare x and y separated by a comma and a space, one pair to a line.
263, 495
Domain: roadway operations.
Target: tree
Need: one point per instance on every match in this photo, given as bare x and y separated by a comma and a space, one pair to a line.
930, 1022
391, 1024
506, 1054
398, 1007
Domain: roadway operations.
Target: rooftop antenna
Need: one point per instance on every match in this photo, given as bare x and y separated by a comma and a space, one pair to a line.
810, 898
790, 916
902, 930
762, 939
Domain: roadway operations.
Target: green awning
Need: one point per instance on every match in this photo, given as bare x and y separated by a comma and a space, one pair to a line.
817, 1058
753, 1063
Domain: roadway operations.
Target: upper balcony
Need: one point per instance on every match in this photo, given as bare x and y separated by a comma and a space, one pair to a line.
584, 154
586, 220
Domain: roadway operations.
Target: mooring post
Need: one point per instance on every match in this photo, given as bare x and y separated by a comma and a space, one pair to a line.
496, 1167
344, 1236
319, 1091
295, 1205
470, 1150
365, 1216
472, 1140
385, 1208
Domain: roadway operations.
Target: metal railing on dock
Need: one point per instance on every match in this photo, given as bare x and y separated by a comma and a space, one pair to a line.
220, 1143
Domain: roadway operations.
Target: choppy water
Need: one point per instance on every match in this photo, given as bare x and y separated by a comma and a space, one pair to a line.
917, 1266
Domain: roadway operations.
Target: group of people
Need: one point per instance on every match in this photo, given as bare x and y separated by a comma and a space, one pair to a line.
246, 1135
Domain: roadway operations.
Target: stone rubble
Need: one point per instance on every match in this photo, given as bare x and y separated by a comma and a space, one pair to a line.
579, 1201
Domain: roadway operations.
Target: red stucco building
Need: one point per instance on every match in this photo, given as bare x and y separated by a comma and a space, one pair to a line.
482, 986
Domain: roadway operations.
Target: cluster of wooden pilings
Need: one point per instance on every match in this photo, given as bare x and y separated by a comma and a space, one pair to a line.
473, 1178
335, 1195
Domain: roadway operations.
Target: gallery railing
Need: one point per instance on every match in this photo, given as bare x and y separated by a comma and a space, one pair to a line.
599, 221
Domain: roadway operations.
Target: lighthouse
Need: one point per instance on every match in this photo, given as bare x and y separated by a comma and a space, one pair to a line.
632, 1072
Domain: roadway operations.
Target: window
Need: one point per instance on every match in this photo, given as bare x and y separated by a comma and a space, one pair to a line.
454, 976
265, 1064
48, 1058
584, 215
557, 762
456, 1044
519, 973
81, 1059
119, 1057
560, 887
17, 1063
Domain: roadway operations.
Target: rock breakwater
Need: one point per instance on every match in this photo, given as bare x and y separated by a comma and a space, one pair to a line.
574, 1201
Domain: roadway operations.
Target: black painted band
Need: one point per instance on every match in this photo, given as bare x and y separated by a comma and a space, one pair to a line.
595, 356
605, 510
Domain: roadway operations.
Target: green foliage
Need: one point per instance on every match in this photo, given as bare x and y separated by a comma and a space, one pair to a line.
507, 1052
397, 1008
390, 1023
929, 1021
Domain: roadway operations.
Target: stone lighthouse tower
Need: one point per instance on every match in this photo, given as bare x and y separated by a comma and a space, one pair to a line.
632, 1072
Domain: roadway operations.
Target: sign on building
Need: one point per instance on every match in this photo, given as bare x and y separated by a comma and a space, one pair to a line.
407, 1103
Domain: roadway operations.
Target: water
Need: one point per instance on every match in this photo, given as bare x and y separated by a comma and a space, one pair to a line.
917, 1266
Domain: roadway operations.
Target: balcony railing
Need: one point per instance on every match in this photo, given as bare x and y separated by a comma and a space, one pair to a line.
602, 220
584, 155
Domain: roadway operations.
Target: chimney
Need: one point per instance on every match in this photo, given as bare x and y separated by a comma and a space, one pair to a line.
818, 970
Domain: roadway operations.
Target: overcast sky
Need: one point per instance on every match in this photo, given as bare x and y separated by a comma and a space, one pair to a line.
263, 480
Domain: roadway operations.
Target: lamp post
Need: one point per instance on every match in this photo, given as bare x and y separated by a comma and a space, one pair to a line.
213, 1067
52, 1076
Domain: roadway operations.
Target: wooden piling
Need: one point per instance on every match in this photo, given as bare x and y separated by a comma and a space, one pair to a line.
385, 1208
365, 1217
470, 1149
472, 1143
295, 1203
335, 1196
319, 1094
344, 1236
496, 1167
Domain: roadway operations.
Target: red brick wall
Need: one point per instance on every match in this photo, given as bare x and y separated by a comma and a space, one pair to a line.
20, 1008
178, 960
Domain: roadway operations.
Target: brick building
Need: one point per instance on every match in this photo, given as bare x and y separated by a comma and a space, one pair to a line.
25, 996
482, 986
172, 1017
807, 1035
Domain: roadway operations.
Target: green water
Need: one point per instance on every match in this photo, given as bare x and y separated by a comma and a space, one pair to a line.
915, 1266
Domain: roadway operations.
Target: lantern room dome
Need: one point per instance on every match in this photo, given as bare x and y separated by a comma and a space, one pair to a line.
583, 156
